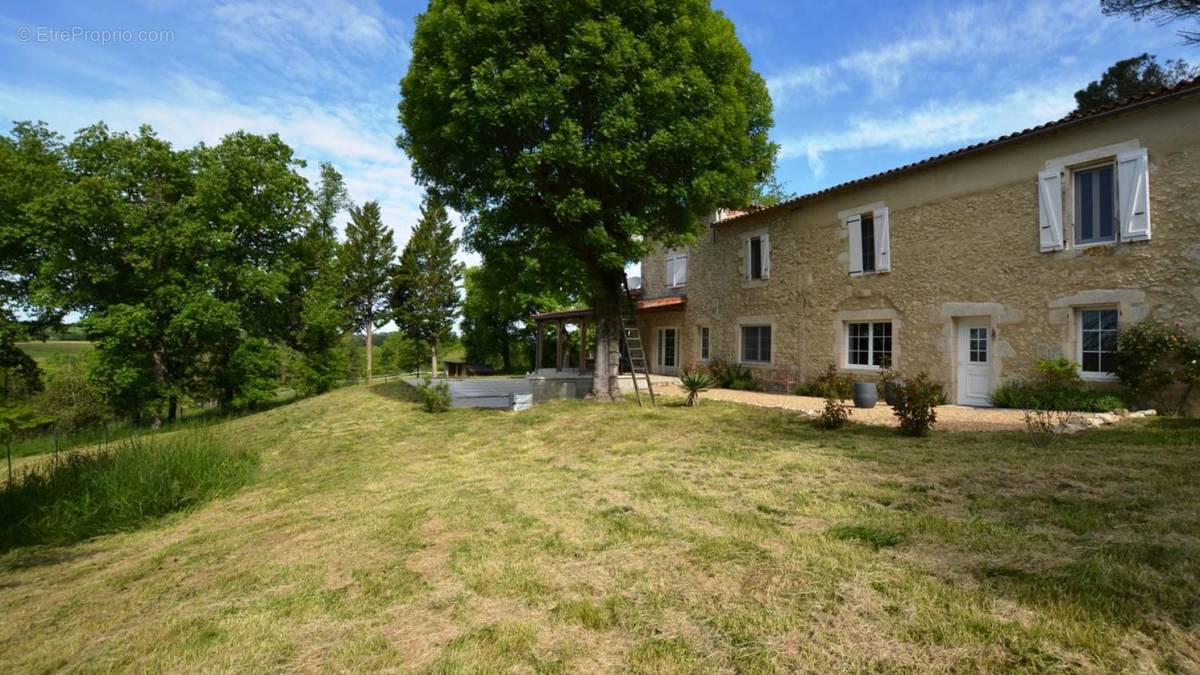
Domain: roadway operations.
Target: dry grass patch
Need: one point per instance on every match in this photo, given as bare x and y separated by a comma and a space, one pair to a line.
608, 537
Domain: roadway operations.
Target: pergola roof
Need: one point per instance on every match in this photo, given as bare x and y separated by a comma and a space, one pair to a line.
655, 305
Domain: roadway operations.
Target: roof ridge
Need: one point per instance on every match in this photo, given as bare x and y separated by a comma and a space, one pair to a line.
1185, 86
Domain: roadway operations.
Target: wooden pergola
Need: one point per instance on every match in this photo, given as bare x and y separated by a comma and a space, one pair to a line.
560, 320
579, 317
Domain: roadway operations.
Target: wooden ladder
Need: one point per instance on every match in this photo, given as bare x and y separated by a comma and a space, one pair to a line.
632, 337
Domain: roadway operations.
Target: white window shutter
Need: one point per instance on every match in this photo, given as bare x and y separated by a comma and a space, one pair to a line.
681, 270
1050, 211
854, 230
670, 272
883, 244
749, 262
1133, 194
765, 247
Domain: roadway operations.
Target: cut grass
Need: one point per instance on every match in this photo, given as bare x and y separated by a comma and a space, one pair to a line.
581, 536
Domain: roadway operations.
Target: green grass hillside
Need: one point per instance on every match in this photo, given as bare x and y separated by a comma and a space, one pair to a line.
43, 351
606, 537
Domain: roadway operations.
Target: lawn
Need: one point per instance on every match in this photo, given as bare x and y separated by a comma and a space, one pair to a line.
43, 351
606, 537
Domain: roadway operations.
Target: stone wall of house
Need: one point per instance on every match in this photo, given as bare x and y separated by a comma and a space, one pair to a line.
964, 243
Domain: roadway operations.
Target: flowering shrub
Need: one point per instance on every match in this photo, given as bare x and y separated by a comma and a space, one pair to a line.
916, 402
1153, 356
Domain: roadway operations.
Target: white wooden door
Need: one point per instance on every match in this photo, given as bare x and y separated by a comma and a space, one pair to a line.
666, 356
974, 363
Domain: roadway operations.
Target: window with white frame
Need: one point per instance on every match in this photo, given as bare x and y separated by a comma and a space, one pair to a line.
869, 234
756, 344
703, 341
1108, 196
1097, 342
676, 270
1095, 205
758, 256
869, 344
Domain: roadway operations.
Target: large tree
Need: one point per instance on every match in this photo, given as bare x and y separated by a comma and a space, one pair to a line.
1160, 11
367, 259
583, 131
320, 318
1131, 77
425, 297
31, 172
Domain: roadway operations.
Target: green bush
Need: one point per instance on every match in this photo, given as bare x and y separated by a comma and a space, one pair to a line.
916, 404
835, 388
1153, 357
71, 398
434, 397
1054, 384
122, 487
727, 375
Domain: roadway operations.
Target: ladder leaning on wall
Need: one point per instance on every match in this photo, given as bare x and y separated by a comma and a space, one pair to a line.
632, 337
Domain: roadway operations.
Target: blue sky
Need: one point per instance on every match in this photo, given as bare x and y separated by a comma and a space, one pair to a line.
858, 86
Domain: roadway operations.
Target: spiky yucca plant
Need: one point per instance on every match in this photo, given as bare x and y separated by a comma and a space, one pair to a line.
693, 382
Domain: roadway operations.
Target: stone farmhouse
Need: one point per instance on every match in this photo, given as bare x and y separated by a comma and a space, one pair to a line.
970, 265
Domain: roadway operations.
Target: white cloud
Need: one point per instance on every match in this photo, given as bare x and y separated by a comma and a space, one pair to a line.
939, 42
936, 125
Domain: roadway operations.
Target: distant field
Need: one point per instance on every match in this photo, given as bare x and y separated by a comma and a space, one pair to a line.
42, 351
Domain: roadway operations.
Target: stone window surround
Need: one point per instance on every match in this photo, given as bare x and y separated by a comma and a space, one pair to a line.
841, 336
744, 264
1131, 307
1085, 159
754, 321
844, 226
675, 254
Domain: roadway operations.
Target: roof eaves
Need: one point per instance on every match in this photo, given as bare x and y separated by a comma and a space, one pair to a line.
1184, 88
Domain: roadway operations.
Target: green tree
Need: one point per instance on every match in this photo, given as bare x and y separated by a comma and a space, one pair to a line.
31, 171
500, 297
1160, 11
1129, 78
322, 317
425, 297
367, 259
584, 131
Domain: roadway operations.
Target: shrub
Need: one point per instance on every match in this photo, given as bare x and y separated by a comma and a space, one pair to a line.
727, 375
1054, 384
834, 415
835, 388
79, 495
70, 398
434, 397
1153, 356
916, 404
694, 382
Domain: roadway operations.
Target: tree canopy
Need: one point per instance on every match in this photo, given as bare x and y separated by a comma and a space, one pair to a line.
367, 258
582, 131
425, 297
192, 267
1132, 77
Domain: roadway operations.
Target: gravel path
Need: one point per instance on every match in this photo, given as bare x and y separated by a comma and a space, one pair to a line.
949, 417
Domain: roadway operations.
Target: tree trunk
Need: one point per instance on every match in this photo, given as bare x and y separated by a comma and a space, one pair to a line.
606, 385
505, 356
433, 349
172, 409
370, 346
159, 378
